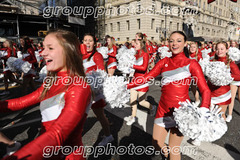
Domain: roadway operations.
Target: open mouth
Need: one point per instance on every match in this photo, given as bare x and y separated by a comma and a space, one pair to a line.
175, 48
48, 61
88, 47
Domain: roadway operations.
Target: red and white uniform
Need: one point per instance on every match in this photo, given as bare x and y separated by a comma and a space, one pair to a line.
141, 68
212, 55
221, 95
196, 57
176, 73
64, 111
6, 53
31, 58
95, 62
150, 52
112, 61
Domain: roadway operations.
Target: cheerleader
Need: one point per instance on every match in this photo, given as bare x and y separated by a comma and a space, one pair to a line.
194, 54
133, 43
234, 88
7, 52
63, 104
139, 93
212, 54
176, 68
221, 95
28, 55
112, 52
92, 60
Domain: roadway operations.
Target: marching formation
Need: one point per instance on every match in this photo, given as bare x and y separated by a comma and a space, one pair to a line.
77, 76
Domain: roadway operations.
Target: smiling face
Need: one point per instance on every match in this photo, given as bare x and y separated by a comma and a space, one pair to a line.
89, 42
221, 50
137, 45
233, 44
109, 41
53, 54
176, 43
193, 48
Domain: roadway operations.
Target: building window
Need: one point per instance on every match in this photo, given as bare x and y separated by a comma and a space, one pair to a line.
152, 38
106, 29
162, 23
111, 27
170, 26
152, 24
118, 26
139, 23
128, 25
177, 26
220, 12
127, 38
118, 39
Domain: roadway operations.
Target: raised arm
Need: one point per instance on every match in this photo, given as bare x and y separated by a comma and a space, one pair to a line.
198, 76
98, 59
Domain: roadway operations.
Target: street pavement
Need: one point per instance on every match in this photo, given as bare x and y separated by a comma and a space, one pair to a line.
24, 126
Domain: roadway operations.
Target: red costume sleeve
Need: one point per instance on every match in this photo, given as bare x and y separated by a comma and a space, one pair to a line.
9, 53
22, 102
114, 53
77, 98
235, 72
31, 58
144, 66
98, 59
152, 74
197, 74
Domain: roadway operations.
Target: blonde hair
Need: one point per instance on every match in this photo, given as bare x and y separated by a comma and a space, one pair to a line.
228, 59
112, 42
194, 43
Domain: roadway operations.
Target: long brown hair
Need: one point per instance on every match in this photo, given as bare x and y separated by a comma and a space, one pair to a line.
216, 56
113, 43
143, 46
74, 63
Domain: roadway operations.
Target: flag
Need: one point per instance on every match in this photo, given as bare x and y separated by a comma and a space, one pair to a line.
210, 1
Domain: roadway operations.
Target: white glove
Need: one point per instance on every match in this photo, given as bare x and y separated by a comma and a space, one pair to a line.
216, 110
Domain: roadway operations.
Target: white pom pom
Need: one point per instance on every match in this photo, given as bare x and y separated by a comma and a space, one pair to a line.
234, 53
164, 52
16, 64
199, 124
126, 59
115, 91
42, 73
96, 79
103, 51
218, 73
204, 63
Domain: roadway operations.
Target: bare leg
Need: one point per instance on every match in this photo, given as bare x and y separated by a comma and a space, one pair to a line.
175, 140
233, 92
142, 101
159, 136
5, 140
224, 108
99, 112
133, 101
